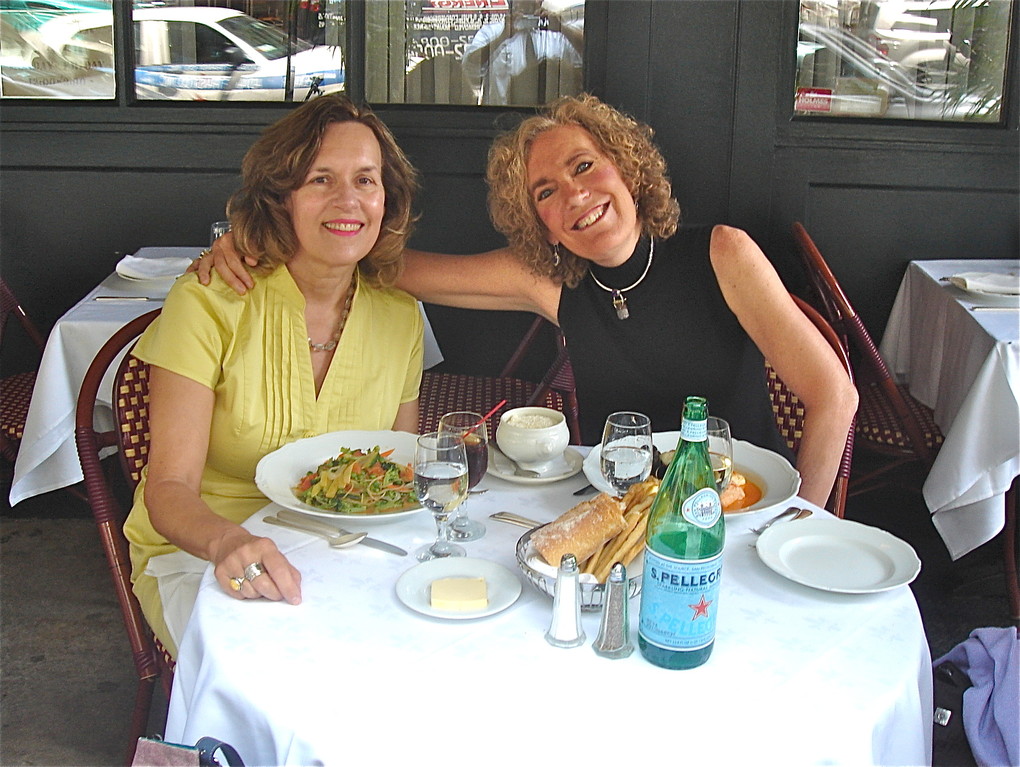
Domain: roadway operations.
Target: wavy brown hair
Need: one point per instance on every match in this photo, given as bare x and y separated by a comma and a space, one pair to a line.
626, 142
278, 163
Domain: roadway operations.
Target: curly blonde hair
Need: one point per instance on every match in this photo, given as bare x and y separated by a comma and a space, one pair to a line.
278, 163
626, 142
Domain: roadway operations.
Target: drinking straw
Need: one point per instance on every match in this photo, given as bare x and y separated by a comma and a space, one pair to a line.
485, 417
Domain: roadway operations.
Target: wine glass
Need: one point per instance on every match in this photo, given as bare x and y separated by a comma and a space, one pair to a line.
440, 483
471, 428
720, 451
626, 455
217, 230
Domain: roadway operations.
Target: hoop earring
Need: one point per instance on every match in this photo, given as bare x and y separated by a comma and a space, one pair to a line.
556, 254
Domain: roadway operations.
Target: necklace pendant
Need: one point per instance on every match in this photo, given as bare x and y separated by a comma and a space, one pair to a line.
620, 304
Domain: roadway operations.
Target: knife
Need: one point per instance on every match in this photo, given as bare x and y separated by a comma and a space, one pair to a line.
316, 524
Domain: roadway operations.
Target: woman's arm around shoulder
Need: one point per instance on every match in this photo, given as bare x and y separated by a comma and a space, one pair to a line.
493, 280
801, 356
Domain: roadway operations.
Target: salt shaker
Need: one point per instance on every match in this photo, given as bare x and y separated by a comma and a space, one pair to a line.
613, 640
565, 629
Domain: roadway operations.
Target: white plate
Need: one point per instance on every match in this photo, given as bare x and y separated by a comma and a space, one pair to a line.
838, 555
413, 587
562, 468
279, 471
988, 297
778, 480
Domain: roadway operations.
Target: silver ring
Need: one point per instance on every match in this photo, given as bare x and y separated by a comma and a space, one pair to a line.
236, 583
253, 571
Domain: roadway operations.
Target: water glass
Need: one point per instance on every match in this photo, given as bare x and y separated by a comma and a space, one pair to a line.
217, 230
626, 454
441, 484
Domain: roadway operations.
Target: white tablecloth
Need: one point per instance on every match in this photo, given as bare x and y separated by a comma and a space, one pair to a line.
352, 676
47, 458
965, 365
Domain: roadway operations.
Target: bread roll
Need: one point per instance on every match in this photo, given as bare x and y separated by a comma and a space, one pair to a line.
581, 530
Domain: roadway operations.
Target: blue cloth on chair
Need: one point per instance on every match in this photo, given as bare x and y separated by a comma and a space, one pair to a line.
991, 708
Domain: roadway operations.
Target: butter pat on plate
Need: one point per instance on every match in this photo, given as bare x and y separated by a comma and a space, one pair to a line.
459, 594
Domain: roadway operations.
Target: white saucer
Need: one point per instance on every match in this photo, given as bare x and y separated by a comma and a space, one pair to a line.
838, 555
413, 586
562, 468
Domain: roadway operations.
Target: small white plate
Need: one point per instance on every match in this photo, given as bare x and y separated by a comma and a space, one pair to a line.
979, 296
278, 472
838, 555
562, 468
778, 480
413, 587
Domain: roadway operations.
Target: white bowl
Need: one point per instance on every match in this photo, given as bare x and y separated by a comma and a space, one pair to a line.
533, 437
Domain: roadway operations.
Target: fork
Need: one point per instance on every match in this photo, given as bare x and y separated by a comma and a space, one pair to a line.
336, 541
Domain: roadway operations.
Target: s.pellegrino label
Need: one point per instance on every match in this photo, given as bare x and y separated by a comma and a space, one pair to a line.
683, 554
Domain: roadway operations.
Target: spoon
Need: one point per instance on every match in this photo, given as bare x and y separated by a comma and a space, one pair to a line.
518, 471
790, 512
337, 541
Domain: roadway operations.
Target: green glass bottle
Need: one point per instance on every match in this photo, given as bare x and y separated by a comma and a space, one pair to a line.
683, 553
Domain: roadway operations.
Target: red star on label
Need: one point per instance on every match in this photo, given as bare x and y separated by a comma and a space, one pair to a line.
700, 609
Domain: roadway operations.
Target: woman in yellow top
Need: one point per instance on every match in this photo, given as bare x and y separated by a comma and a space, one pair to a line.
321, 343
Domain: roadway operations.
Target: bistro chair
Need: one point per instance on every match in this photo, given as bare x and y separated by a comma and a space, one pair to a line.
891, 424
789, 410
16, 389
446, 392
130, 435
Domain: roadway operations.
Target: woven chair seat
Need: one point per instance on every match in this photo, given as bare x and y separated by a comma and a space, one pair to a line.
15, 394
878, 422
442, 393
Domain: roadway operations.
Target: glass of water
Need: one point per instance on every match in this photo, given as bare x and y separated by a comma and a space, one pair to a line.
217, 230
626, 454
441, 484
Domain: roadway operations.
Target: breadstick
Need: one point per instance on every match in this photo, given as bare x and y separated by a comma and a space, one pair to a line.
631, 519
620, 547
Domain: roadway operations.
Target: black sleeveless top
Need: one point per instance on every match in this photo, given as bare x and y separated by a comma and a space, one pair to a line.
681, 339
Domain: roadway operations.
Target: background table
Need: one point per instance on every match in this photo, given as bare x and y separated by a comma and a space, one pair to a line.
965, 365
47, 458
352, 676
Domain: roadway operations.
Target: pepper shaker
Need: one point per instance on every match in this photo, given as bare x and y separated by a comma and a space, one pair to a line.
613, 640
565, 629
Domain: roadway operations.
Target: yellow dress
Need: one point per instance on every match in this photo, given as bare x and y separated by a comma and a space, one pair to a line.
252, 351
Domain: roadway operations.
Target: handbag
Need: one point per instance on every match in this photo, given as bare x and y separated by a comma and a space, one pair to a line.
155, 752
950, 683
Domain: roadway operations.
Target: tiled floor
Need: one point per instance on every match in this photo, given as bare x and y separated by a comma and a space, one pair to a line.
67, 683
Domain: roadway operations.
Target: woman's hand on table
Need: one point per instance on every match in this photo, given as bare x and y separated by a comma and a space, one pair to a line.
235, 555
231, 268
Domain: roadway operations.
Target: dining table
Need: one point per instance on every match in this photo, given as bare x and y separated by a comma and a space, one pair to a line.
958, 351
47, 457
360, 672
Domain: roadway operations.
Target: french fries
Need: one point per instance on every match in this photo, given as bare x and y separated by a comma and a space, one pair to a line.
627, 544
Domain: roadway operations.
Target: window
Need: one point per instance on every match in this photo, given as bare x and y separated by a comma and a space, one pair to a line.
903, 59
491, 52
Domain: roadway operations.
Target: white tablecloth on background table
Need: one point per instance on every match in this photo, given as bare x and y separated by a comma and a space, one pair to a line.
47, 457
965, 365
352, 676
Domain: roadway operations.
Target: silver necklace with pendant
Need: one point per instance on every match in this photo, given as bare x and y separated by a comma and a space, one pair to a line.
619, 299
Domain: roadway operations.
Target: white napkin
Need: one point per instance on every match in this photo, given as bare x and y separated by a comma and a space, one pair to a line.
156, 263
987, 282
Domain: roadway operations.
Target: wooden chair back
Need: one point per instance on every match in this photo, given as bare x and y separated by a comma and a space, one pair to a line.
130, 435
890, 421
16, 389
